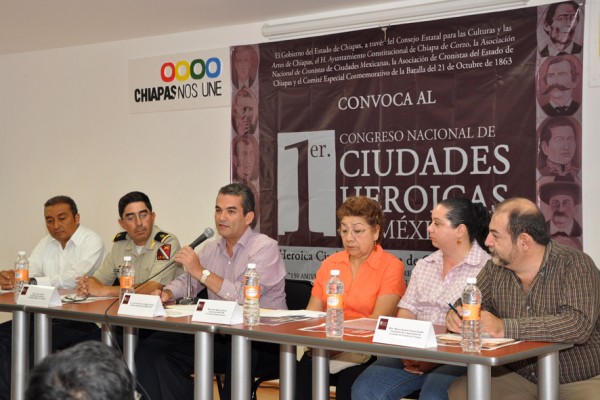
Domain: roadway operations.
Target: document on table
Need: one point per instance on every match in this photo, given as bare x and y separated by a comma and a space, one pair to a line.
368, 324
267, 316
362, 327
488, 343
180, 310
278, 317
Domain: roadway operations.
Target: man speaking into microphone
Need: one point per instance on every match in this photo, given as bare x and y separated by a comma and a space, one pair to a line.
168, 358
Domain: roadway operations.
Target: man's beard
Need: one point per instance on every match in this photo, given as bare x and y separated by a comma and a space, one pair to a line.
497, 260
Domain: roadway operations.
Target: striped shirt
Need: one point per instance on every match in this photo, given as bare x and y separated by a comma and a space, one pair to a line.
562, 305
428, 295
252, 247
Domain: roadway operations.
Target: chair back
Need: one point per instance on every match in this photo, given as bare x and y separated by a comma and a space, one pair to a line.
297, 293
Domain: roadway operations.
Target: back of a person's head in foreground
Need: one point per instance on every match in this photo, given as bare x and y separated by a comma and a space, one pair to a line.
87, 371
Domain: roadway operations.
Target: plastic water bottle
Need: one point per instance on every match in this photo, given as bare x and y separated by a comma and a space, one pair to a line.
251, 296
127, 278
471, 315
334, 325
21, 272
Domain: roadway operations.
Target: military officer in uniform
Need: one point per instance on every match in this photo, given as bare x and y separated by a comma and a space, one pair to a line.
150, 249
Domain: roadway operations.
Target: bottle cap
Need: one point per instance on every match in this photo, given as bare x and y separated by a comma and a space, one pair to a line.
126, 258
251, 265
21, 253
335, 272
472, 280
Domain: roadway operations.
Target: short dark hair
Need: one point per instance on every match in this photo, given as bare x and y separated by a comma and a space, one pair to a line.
87, 371
473, 215
550, 123
552, 10
243, 191
525, 217
62, 200
546, 136
133, 197
365, 207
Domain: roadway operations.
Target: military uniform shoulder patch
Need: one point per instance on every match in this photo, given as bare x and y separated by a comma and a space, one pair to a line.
164, 252
120, 236
162, 236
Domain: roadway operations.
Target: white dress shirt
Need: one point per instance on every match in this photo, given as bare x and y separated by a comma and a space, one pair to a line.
83, 254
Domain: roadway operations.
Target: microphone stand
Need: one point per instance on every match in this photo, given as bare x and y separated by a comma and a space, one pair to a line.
189, 299
208, 233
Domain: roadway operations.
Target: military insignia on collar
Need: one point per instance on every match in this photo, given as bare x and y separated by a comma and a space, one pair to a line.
164, 252
162, 236
120, 236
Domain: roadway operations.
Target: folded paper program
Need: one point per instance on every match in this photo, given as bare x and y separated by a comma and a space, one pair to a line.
489, 343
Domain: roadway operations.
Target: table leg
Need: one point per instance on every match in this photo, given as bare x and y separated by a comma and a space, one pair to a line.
240, 367
287, 377
548, 369
42, 345
20, 354
479, 381
130, 338
107, 335
203, 365
320, 374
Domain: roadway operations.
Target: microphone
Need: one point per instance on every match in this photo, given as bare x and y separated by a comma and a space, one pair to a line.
207, 234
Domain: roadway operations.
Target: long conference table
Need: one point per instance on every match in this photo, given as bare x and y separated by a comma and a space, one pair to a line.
288, 336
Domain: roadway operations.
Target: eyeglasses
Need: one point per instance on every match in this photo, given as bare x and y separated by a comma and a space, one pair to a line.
354, 232
142, 215
72, 298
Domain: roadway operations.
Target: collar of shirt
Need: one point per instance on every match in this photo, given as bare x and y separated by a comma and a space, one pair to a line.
222, 244
561, 169
373, 261
474, 257
553, 51
76, 238
566, 105
149, 244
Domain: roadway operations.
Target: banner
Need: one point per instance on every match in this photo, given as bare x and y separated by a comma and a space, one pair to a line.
408, 115
179, 81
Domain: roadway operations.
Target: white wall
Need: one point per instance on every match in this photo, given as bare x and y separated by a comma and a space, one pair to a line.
66, 129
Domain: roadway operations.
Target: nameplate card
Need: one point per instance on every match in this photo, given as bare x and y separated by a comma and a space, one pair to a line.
405, 332
43, 281
141, 305
218, 312
39, 296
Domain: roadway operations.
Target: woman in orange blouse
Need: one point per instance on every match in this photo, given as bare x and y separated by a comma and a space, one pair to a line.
373, 282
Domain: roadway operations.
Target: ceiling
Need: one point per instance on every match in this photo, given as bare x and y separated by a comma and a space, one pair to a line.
30, 25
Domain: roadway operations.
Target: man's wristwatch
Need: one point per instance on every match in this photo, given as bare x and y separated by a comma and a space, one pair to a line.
205, 275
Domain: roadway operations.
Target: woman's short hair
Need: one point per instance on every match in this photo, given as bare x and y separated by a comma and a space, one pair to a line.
362, 206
